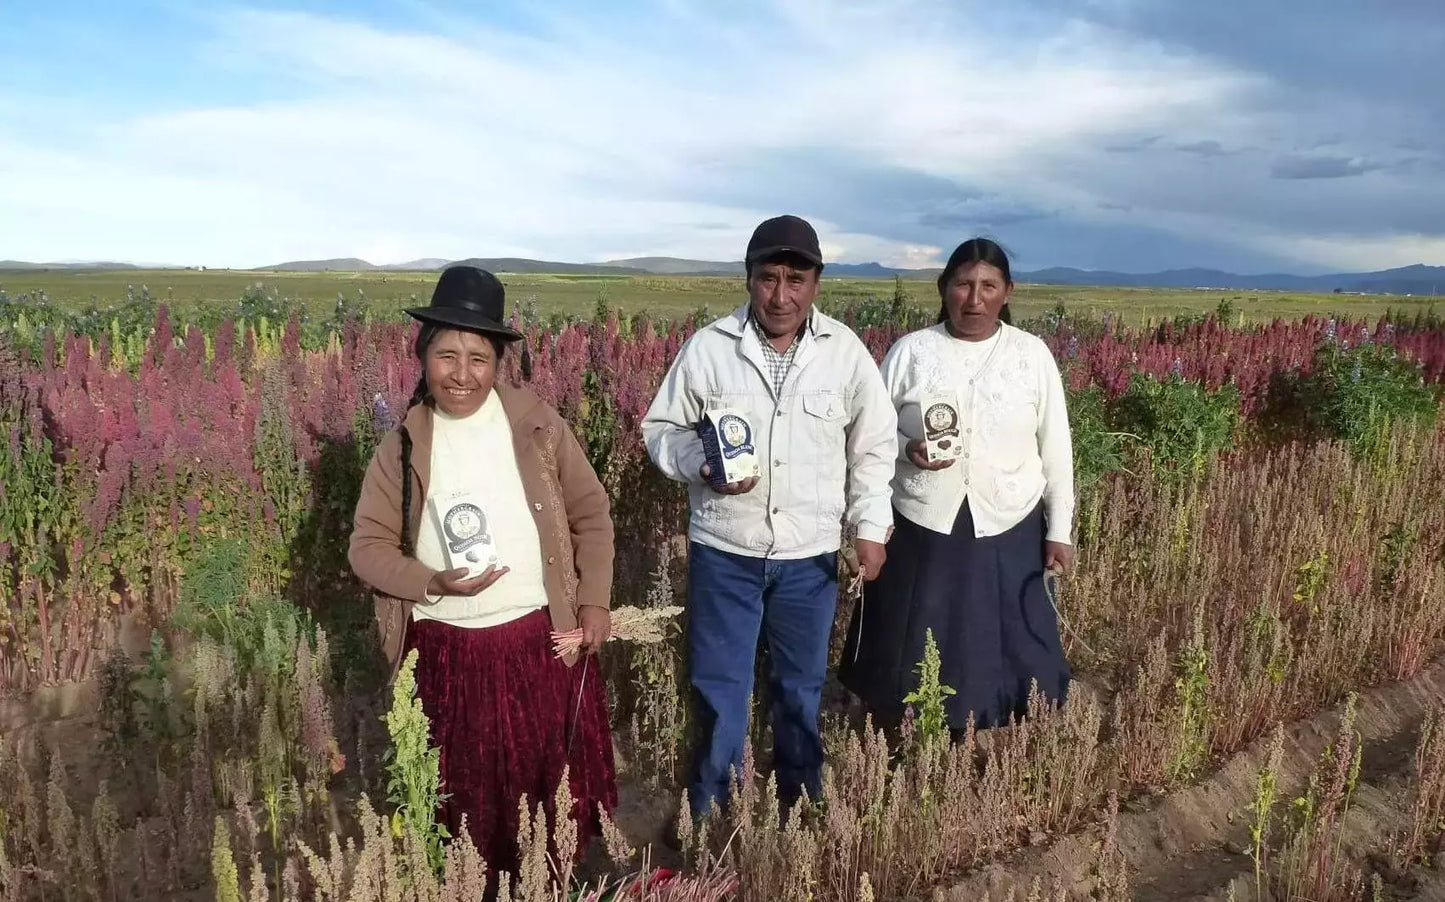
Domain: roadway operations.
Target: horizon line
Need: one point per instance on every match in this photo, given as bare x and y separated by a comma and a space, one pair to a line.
101, 264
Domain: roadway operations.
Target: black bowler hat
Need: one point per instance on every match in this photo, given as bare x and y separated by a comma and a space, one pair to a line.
470, 299
784, 235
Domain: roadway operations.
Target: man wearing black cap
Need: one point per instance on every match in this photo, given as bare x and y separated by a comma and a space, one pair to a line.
763, 552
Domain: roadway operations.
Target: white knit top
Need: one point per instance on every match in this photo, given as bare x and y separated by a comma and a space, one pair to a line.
475, 454
1015, 430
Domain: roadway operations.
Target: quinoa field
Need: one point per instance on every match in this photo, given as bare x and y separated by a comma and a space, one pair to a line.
191, 704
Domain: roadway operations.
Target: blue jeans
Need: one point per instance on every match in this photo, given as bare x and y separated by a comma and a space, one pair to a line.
731, 598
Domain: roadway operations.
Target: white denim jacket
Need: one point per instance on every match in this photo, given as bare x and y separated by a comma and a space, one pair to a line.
827, 446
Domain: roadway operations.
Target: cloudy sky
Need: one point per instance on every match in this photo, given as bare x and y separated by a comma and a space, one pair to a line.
1136, 135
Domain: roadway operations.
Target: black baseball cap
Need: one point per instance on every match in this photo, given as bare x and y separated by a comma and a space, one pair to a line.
784, 235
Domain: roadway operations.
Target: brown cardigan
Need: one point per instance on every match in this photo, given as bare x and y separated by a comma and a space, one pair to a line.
573, 514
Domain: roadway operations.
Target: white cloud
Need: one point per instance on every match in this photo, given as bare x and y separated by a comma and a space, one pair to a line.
1358, 252
590, 145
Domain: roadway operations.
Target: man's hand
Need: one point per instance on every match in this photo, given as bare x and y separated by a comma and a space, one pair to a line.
732, 488
1058, 557
918, 456
453, 582
596, 623
871, 556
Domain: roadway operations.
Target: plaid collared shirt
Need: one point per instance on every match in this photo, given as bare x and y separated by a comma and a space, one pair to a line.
779, 362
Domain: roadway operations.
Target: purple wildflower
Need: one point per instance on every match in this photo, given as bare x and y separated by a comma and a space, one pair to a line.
382, 419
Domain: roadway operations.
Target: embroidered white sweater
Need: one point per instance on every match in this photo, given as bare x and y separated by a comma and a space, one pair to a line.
475, 454
1014, 424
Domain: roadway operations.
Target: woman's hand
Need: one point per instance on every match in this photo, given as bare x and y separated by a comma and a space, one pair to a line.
596, 623
454, 582
1058, 557
918, 456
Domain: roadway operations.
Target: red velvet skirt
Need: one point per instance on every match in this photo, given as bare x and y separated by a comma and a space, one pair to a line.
508, 716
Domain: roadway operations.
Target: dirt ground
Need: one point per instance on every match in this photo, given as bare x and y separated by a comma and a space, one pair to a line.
1190, 844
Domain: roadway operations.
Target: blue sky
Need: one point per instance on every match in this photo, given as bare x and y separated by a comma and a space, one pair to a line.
1104, 134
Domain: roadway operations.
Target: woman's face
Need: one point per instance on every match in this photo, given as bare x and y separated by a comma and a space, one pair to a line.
973, 299
460, 370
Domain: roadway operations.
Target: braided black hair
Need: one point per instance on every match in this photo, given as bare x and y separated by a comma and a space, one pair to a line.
422, 395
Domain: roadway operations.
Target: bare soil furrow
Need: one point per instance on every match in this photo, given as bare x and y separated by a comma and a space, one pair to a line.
1191, 843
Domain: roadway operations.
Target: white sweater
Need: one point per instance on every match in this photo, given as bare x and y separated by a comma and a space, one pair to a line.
1016, 443
475, 454
826, 444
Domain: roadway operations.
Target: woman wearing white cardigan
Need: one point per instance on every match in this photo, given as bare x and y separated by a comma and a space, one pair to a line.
974, 533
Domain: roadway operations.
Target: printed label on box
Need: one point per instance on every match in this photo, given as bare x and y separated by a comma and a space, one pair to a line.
727, 440
466, 537
940, 429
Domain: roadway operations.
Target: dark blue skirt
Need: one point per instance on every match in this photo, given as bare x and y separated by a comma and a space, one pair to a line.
984, 599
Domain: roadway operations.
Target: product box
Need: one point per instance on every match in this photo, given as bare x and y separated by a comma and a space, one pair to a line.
461, 520
727, 440
941, 437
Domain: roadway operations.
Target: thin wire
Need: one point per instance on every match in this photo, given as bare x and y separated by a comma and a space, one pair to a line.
855, 592
577, 711
1051, 587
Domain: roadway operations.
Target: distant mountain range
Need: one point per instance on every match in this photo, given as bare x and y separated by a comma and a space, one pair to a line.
1417, 280
633, 266
436, 264
22, 266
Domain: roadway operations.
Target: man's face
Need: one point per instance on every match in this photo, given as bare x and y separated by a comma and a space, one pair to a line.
466, 525
782, 294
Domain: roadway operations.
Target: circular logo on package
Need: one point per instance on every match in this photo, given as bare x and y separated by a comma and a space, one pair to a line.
735, 434
941, 417
466, 527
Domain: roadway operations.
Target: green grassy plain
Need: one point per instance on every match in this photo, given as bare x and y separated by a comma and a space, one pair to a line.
662, 296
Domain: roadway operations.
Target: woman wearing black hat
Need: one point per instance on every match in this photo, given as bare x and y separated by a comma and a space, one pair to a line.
983, 498
498, 534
